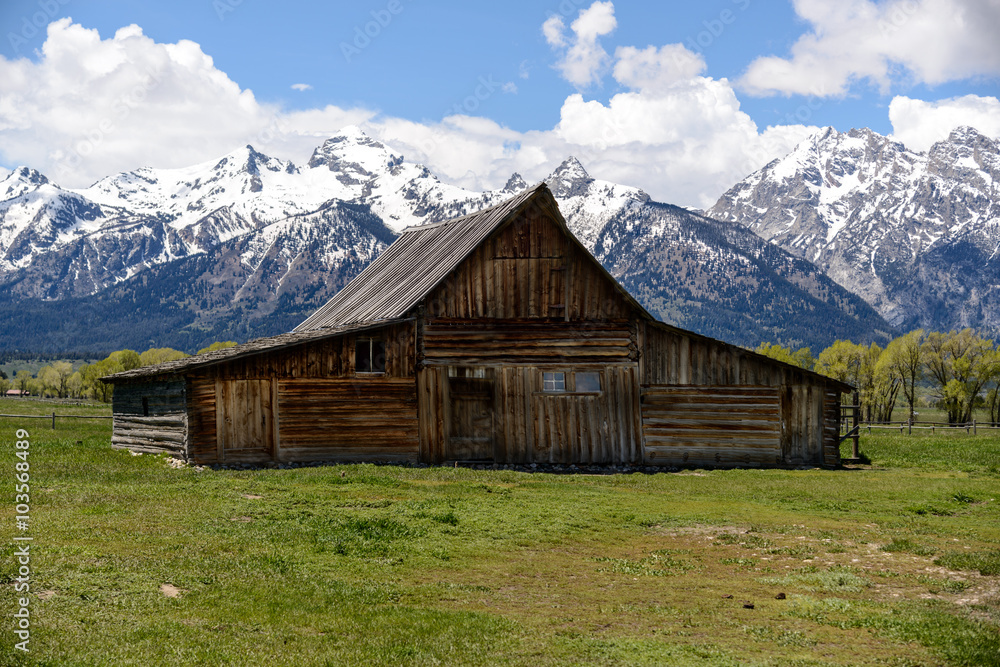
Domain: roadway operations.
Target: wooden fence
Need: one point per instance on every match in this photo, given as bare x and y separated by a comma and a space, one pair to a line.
907, 427
54, 415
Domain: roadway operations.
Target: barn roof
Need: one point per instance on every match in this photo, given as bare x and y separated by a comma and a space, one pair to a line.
422, 257
267, 344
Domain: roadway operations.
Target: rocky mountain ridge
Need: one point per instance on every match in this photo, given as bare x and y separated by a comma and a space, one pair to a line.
917, 235
247, 245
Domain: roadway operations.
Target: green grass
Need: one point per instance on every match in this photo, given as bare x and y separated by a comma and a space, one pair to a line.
895, 563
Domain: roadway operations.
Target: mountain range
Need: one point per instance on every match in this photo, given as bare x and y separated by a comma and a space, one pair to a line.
917, 235
248, 245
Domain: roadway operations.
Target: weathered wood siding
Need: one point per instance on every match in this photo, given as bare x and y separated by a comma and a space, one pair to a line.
245, 420
348, 419
802, 409
306, 402
459, 341
528, 269
711, 425
530, 425
150, 417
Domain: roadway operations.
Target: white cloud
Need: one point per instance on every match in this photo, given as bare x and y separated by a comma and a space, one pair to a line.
653, 68
583, 58
90, 107
918, 124
510, 88
923, 41
301, 87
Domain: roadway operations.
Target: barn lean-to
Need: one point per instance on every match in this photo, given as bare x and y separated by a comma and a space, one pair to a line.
494, 337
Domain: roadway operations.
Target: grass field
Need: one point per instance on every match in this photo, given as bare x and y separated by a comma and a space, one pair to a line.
138, 563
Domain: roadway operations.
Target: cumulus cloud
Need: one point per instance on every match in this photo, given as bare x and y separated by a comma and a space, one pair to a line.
918, 124
90, 107
656, 69
583, 59
920, 41
301, 87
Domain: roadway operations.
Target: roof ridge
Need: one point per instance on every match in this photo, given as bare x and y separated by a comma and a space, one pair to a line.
442, 223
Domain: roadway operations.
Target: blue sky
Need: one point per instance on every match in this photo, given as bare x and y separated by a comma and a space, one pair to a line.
476, 91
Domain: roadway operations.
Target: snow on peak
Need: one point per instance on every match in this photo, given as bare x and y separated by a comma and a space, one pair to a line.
515, 184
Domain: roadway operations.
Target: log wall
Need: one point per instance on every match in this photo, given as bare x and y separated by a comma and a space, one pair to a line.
348, 419
712, 425
800, 427
149, 417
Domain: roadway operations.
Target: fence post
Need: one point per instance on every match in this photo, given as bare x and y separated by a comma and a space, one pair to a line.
855, 450
53, 421
973, 427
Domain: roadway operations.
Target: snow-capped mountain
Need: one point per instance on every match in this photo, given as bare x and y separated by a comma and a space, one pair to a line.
917, 235
247, 245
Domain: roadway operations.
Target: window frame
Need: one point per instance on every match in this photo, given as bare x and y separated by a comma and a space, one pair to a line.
371, 344
555, 382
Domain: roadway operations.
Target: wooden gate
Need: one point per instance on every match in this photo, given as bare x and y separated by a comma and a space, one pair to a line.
471, 419
245, 420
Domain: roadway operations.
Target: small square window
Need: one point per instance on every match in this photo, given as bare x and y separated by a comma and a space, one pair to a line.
369, 356
588, 382
553, 381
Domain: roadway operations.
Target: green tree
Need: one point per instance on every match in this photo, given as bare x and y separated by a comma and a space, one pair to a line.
801, 357
23, 380
906, 362
960, 363
48, 379
159, 355
75, 385
858, 365
218, 345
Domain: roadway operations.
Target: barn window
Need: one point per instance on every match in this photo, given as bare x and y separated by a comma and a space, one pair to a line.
369, 356
145, 406
589, 383
554, 382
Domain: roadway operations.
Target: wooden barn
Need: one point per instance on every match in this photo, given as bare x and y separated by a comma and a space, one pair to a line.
494, 337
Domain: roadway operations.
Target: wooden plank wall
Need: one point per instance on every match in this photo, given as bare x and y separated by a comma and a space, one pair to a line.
348, 419
245, 420
533, 426
583, 428
459, 341
203, 439
831, 427
807, 403
327, 358
323, 361
528, 269
159, 427
711, 425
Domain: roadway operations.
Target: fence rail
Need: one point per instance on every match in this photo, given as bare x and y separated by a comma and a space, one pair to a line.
53, 417
969, 427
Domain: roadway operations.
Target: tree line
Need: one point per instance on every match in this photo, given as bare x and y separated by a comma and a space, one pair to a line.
961, 369
60, 380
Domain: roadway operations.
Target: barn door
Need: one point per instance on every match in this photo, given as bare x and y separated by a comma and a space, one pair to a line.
244, 420
471, 395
